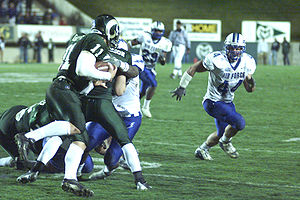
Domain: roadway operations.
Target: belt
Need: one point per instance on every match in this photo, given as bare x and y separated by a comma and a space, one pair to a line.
61, 78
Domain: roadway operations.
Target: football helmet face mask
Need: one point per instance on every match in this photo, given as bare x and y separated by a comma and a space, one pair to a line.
235, 46
157, 30
108, 27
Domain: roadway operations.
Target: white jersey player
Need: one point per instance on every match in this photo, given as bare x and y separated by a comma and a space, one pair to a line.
153, 49
228, 69
128, 106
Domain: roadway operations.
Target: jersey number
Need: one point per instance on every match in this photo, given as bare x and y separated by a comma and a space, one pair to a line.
224, 87
149, 57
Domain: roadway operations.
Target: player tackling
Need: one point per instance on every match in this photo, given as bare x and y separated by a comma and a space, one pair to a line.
228, 69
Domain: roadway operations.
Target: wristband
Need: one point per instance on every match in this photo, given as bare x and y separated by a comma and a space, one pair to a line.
185, 80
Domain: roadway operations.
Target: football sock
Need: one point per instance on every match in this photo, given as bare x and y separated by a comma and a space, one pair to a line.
51, 129
147, 103
5, 161
72, 160
38, 166
204, 146
175, 72
179, 73
79, 171
131, 157
138, 176
49, 149
224, 138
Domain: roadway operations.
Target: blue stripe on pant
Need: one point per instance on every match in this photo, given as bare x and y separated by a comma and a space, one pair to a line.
224, 114
97, 134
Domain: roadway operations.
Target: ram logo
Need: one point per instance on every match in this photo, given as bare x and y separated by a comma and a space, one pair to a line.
203, 49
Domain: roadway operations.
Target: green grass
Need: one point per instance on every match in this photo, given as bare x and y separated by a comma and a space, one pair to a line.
268, 167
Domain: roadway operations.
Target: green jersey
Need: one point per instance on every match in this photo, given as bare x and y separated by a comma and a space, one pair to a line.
92, 43
32, 117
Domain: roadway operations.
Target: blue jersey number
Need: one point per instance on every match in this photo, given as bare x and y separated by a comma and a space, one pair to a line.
149, 57
224, 87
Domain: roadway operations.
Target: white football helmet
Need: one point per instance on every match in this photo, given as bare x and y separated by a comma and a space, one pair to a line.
157, 26
235, 46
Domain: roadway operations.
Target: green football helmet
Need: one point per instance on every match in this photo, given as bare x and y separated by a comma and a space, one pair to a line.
108, 27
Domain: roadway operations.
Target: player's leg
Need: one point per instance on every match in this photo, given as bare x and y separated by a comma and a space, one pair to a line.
114, 152
178, 60
228, 121
64, 104
149, 78
103, 111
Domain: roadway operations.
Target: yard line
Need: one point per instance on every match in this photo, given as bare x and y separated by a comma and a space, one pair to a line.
188, 145
194, 178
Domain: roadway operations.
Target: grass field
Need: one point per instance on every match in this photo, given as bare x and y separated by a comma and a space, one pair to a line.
268, 166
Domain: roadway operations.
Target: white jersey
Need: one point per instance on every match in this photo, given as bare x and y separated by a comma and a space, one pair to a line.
152, 49
129, 102
225, 77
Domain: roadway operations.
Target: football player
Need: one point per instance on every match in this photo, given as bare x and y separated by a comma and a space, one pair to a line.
127, 103
227, 69
100, 109
154, 47
76, 75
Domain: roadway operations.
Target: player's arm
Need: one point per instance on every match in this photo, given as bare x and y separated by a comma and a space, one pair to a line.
120, 85
85, 66
186, 78
249, 83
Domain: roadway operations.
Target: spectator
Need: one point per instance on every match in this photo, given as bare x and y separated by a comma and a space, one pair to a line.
34, 19
51, 47
24, 44
12, 13
3, 13
29, 5
285, 51
47, 18
2, 46
20, 19
27, 18
275, 47
38, 46
63, 21
181, 45
262, 50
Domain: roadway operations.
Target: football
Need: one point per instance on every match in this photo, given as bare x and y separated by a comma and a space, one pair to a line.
102, 66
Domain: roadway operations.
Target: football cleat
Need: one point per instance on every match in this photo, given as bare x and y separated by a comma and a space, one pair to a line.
172, 76
146, 112
143, 186
73, 186
203, 154
100, 175
23, 144
28, 177
229, 149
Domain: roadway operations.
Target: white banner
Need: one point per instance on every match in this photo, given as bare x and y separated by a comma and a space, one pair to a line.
131, 27
269, 30
201, 30
59, 34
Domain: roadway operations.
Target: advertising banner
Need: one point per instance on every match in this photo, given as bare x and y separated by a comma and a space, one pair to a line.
131, 27
253, 31
59, 34
201, 30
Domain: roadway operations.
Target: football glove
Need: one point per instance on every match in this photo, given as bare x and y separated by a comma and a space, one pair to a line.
178, 92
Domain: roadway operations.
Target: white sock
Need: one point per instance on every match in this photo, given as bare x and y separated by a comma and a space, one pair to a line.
204, 146
131, 157
79, 171
72, 161
4, 162
51, 129
175, 72
105, 169
49, 149
224, 138
180, 72
147, 103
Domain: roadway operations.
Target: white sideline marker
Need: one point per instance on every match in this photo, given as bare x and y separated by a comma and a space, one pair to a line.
292, 140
